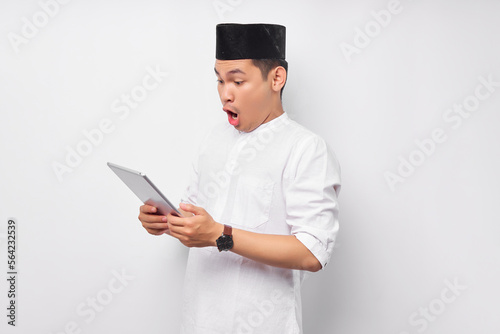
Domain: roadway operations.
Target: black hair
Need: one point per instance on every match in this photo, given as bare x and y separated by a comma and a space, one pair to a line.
266, 65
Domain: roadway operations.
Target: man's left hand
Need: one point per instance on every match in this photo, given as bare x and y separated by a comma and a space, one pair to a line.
199, 230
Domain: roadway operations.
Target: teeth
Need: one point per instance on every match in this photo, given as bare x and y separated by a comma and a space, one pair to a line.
235, 116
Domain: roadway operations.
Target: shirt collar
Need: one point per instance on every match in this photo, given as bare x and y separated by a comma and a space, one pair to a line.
271, 124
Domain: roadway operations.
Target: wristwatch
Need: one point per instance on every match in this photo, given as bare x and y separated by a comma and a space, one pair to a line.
225, 241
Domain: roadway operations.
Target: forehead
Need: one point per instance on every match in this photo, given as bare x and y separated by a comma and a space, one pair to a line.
228, 67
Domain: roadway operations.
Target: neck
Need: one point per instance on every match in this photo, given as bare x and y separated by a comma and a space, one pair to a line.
276, 111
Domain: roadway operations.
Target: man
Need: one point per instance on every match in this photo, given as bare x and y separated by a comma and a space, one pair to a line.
261, 208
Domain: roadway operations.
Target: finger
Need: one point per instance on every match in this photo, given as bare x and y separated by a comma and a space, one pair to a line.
155, 225
148, 209
174, 220
176, 232
192, 208
155, 232
150, 218
153, 221
185, 213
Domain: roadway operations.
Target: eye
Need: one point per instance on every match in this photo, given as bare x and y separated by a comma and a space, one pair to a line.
238, 83
219, 81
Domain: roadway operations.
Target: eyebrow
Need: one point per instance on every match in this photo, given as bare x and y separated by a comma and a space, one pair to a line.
235, 71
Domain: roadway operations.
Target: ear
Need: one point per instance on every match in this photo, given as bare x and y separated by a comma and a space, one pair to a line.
278, 78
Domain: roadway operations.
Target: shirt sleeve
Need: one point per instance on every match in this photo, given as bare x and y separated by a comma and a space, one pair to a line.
312, 186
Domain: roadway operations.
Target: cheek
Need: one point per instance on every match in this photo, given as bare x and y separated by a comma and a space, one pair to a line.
245, 96
261, 96
255, 95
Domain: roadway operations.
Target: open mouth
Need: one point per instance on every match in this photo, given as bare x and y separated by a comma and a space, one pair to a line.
232, 117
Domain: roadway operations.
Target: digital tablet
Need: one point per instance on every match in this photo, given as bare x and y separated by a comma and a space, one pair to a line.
142, 186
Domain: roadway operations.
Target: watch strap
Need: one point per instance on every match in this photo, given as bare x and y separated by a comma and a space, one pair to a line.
228, 230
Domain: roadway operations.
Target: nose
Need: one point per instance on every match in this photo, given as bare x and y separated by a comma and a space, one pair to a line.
226, 94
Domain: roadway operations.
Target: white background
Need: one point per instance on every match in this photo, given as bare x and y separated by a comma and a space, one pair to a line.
397, 248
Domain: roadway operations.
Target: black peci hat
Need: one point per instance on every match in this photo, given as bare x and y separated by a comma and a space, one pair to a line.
250, 41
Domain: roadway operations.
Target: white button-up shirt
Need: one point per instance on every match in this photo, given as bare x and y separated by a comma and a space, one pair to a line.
278, 179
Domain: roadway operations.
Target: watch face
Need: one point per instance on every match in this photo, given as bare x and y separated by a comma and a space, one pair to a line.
225, 243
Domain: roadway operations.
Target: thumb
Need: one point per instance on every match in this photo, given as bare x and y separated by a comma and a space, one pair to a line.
196, 210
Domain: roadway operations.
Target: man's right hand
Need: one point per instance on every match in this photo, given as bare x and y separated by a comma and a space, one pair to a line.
153, 222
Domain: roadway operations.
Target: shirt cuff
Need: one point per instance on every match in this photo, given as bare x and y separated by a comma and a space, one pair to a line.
315, 247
